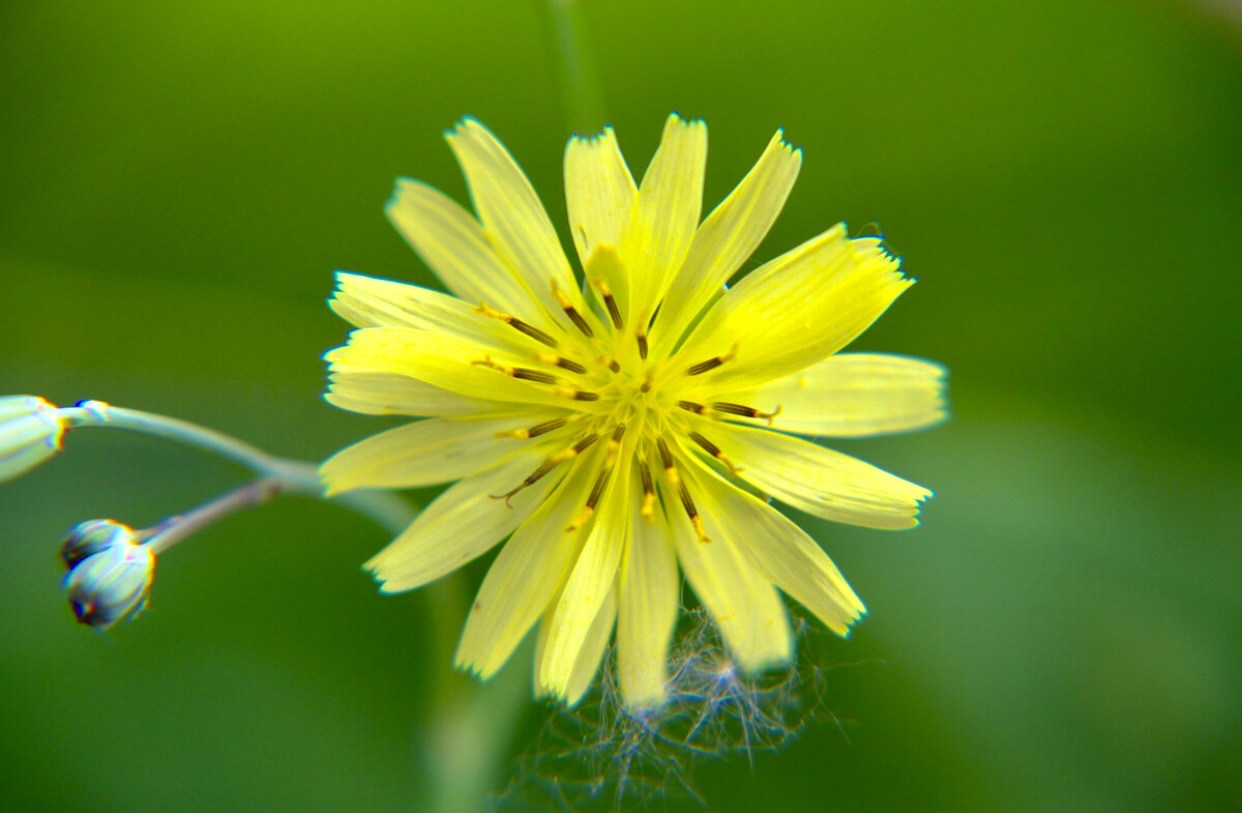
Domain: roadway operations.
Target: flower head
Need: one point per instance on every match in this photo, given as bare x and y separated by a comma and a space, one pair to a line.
110, 572
30, 432
619, 427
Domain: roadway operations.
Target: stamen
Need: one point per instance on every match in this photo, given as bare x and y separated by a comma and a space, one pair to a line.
546, 466
561, 361
713, 450
577, 395
745, 411
610, 363
575, 450
526, 374
597, 491
687, 502
640, 336
535, 431
691, 406
674, 479
516, 323
571, 311
610, 302
522, 373
712, 363
614, 443
666, 458
647, 509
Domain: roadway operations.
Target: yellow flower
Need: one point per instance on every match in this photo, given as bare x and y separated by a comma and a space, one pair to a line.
620, 428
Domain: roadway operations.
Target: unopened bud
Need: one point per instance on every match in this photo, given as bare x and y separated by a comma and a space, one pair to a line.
30, 432
110, 573
93, 536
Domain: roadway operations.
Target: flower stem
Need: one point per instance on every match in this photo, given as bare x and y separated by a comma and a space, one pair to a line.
294, 477
175, 528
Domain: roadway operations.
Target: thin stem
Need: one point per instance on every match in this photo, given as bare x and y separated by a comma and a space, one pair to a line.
295, 477
98, 413
175, 528
584, 99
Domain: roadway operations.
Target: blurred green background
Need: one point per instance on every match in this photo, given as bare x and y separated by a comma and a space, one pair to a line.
1065, 179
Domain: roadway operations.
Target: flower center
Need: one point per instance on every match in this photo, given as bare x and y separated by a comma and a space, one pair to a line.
624, 398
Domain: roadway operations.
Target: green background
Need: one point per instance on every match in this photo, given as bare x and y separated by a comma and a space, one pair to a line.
1065, 179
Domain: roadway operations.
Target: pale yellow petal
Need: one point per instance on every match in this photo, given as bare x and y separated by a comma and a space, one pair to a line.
369, 302
853, 395
727, 238
592, 651
605, 270
527, 575
436, 450
796, 310
819, 481
592, 578
670, 202
649, 596
739, 596
784, 553
461, 524
514, 218
455, 247
599, 191
445, 360
392, 394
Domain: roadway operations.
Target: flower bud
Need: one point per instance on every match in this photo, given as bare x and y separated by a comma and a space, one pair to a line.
30, 432
110, 573
94, 536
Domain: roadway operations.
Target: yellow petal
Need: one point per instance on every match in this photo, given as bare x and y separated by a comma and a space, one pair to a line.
436, 450
592, 651
734, 590
445, 360
796, 310
599, 191
461, 524
649, 595
369, 302
727, 238
514, 218
853, 395
670, 202
593, 577
455, 247
819, 481
527, 575
392, 394
784, 553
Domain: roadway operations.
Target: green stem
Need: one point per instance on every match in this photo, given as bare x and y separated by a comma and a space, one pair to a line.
175, 528
295, 477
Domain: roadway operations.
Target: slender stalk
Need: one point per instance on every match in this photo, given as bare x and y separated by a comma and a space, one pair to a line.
100, 414
294, 477
175, 528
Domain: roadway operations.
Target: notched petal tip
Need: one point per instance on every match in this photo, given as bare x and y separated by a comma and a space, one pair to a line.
464, 125
402, 188
676, 118
605, 133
